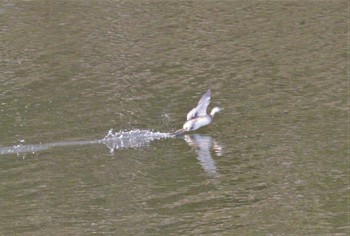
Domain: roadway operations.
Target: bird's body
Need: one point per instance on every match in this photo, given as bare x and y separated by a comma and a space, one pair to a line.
198, 116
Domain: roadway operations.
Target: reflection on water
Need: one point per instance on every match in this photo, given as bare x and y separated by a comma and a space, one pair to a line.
203, 145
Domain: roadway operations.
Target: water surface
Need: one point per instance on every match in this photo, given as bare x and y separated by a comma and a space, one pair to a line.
274, 162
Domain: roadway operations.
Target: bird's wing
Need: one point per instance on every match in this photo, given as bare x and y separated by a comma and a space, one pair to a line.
192, 114
201, 108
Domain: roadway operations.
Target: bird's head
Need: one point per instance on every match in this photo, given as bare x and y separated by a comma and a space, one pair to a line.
215, 110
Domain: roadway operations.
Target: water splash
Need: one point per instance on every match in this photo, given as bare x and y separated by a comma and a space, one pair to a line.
203, 145
136, 134
131, 139
117, 140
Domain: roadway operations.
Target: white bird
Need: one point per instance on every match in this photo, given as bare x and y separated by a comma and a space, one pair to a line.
198, 116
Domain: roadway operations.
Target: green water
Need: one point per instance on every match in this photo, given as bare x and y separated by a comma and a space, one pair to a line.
274, 162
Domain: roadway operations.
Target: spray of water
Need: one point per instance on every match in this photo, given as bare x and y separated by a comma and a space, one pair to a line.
113, 141
131, 139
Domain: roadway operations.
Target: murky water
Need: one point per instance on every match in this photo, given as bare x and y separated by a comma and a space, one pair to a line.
274, 162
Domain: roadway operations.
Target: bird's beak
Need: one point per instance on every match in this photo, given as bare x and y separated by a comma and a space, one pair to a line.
179, 132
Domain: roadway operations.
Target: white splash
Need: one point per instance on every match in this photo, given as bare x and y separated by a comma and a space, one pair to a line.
131, 139
118, 140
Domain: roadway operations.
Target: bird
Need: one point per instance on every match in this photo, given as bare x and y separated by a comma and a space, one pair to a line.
198, 116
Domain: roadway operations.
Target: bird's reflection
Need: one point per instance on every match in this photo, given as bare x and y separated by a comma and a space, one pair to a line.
203, 146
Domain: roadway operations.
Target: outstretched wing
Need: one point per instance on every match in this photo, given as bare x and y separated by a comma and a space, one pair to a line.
201, 108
